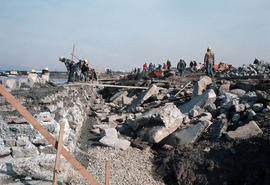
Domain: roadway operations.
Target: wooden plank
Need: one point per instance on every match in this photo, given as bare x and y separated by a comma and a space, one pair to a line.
182, 89
46, 134
107, 173
58, 154
106, 85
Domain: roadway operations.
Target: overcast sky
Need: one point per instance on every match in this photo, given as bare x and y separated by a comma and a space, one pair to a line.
122, 34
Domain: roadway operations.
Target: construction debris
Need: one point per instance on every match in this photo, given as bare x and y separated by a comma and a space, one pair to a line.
181, 123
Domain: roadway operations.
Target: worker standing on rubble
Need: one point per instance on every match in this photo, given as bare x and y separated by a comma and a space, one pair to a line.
85, 71
145, 67
69, 64
181, 66
164, 66
45, 74
209, 60
169, 65
151, 67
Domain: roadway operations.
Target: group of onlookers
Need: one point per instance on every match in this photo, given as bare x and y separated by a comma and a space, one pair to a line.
194, 66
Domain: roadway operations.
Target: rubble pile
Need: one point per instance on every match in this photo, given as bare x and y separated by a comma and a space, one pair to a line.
185, 129
260, 68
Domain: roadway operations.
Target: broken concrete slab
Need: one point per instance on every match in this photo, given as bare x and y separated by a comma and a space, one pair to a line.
208, 97
152, 90
218, 128
188, 135
227, 100
157, 123
118, 97
239, 92
111, 139
201, 85
244, 132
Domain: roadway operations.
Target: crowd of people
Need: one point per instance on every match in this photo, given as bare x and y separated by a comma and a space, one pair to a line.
79, 71
194, 66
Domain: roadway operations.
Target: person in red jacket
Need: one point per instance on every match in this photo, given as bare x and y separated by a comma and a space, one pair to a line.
164, 66
145, 67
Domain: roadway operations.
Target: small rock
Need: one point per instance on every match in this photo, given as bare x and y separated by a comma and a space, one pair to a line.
257, 107
235, 117
246, 131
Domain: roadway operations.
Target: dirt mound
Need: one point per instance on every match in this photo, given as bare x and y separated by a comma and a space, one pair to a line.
221, 162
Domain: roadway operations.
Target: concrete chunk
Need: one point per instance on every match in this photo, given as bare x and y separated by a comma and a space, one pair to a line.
157, 124
209, 96
201, 85
4, 151
189, 134
111, 139
246, 131
22, 152
10, 83
152, 90
257, 107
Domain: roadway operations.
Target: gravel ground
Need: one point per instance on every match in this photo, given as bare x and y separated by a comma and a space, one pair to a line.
130, 167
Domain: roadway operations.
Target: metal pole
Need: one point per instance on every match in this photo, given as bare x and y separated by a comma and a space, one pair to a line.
58, 154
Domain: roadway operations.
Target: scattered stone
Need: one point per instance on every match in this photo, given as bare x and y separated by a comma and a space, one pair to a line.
189, 134
239, 107
227, 100
251, 114
10, 142
21, 141
225, 87
201, 85
111, 139
257, 107
158, 123
10, 84
4, 151
152, 90
236, 117
44, 116
246, 131
208, 97
218, 128
238, 92
186, 120
26, 151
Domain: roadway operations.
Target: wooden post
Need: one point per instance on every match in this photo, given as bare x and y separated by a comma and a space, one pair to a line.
107, 173
73, 52
46, 134
58, 154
